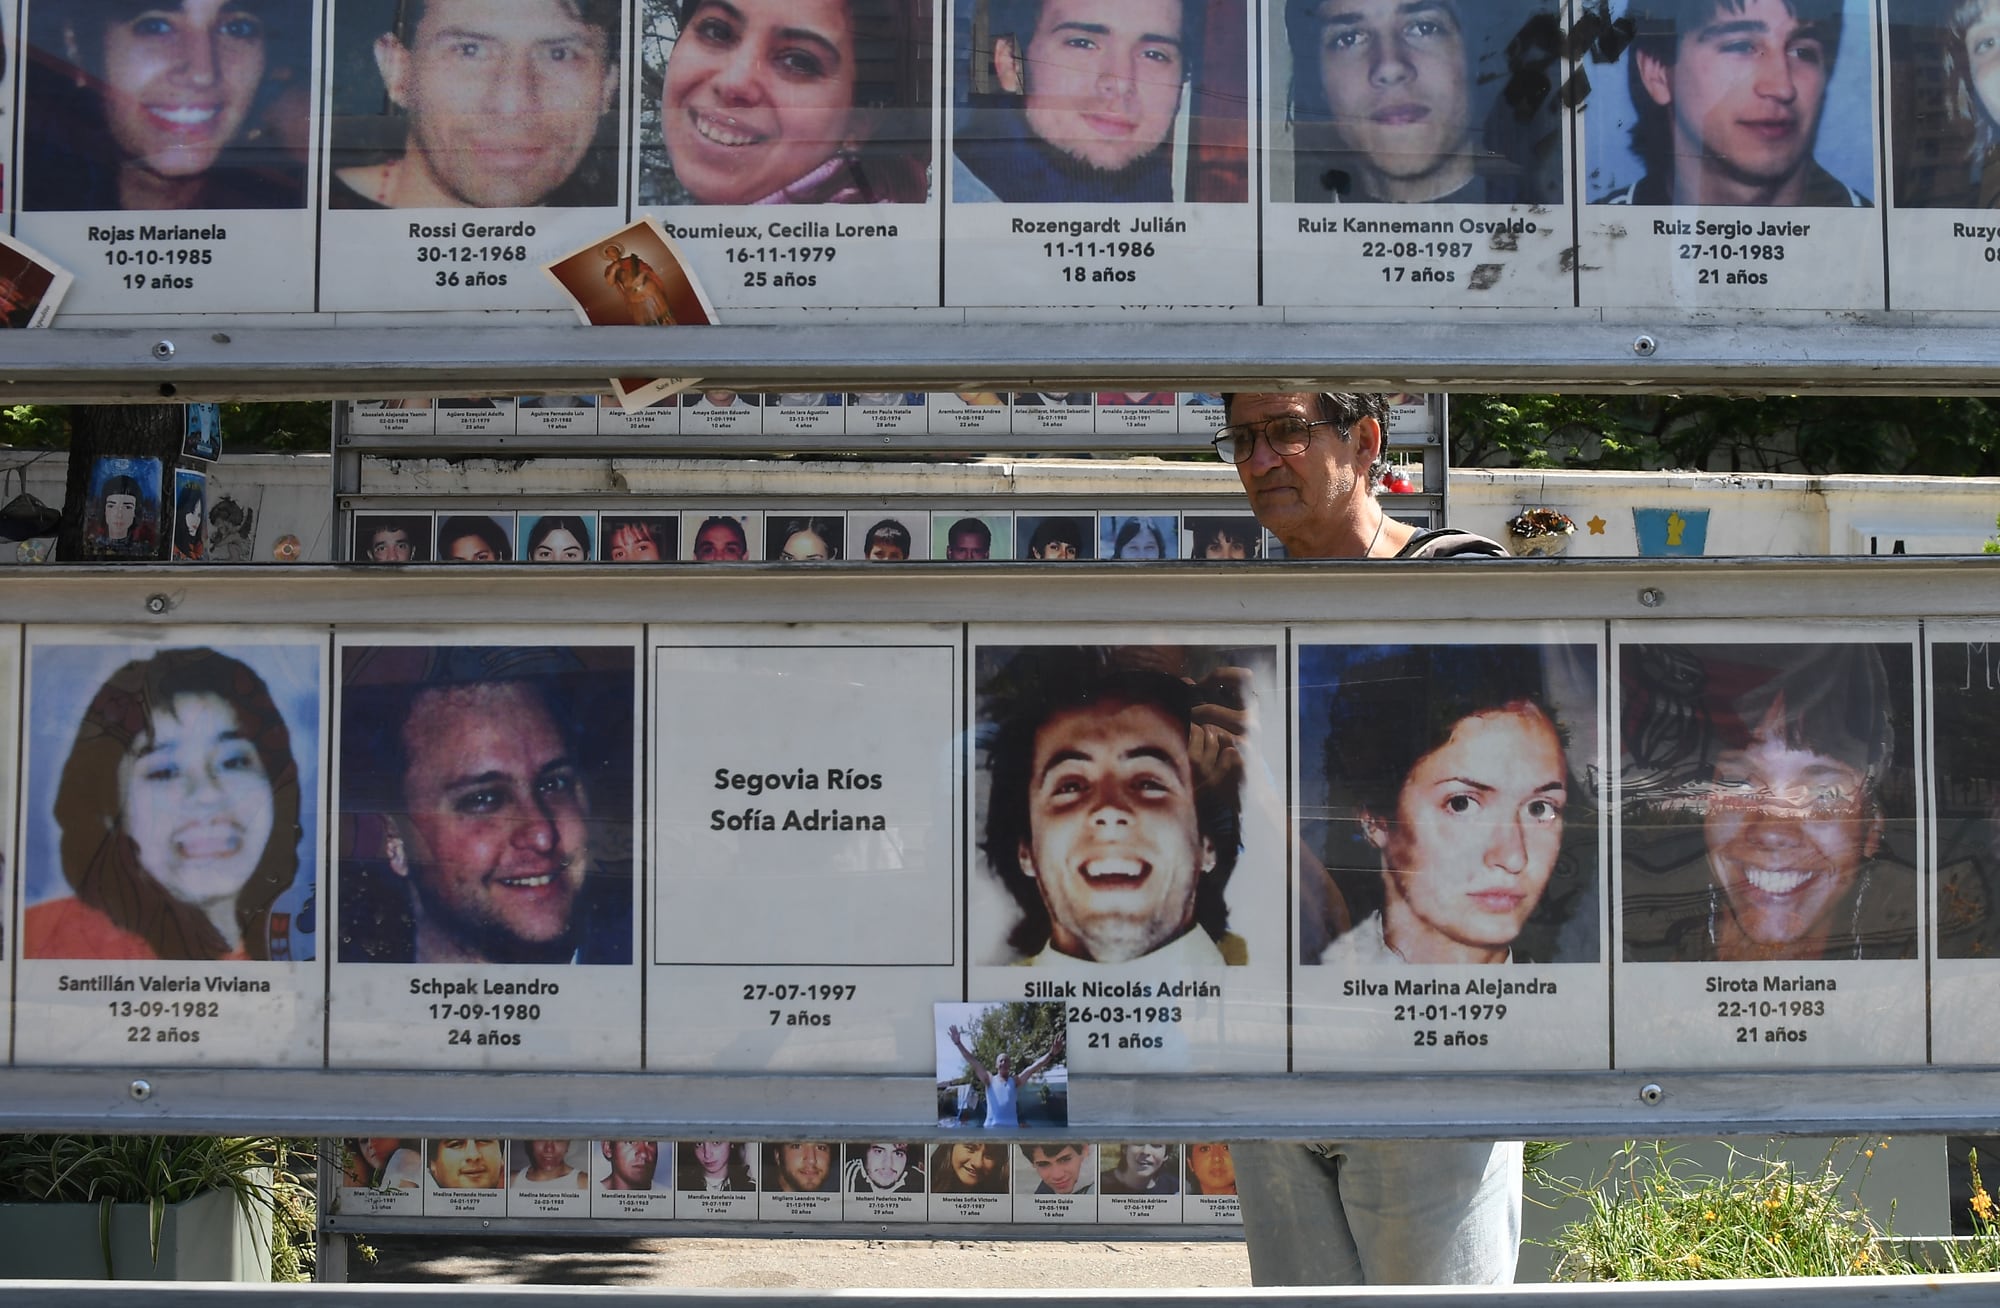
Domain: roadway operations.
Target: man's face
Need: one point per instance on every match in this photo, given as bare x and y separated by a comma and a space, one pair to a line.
1744, 95
467, 1165
886, 1163
1060, 1169
390, 545
719, 542
1395, 78
1140, 1163
1788, 830
969, 547
1295, 494
1113, 842
1101, 78
632, 1163
803, 1166
548, 1155
495, 832
1060, 551
503, 97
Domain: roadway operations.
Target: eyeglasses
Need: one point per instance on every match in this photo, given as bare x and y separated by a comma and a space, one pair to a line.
1286, 436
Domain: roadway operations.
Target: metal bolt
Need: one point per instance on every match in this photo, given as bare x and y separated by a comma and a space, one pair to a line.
1644, 346
1652, 597
163, 349
158, 604
142, 1090
1652, 1094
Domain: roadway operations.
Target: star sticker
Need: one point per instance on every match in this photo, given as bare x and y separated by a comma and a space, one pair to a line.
1596, 525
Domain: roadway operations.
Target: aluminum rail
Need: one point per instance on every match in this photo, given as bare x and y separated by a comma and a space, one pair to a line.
1976, 1291
1880, 354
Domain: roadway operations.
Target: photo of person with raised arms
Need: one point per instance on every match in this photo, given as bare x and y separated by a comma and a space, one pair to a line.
486, 104
1769, 802
789, 102
1453, 819
1424, 101
176, 803
182, 104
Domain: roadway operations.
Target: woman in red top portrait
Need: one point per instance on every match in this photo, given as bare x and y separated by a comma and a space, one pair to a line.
179, 812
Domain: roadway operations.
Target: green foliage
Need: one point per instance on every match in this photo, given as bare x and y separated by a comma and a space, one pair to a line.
1023, 1032
162, 1170
1652, 1217
304, 427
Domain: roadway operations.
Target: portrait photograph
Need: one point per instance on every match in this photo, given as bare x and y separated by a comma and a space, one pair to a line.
1768, 801
31, 287
558, 537
549, 1178
1447, 813
1146, 537
1442, 102
190, 520
465, 1177
475, 104
898, 536
106, 126
716, 1167
1223, 537
171, 801
124, 519
1686, 116
475, 538
630, 1165
971, 537
1058, 1169
633, 277
803, 537
1140, 1171
1114, 793
486, 804
831, 104
719, 536
381, 1163
894, 1167
802, 1167
638, 537
392, 538
1057, 537
1000, 1065
1153, 109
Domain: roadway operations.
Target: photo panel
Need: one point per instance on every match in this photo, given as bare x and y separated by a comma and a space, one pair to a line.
380, 1176
465, 1176
549, 1178
1767, 843
557, 415
1164, 931
562, 537
490, 416
721, 413
805, 884
1211, 1185
1221, 537
170, 207
881, 413
1122, 412
1451, 906
812, 184
476, 538
202, 436
455, 169
638, 537
1040, 413
1202, 412
1964, 683
1944, 138
125, 510
486, 891
801, 1181
1056, 537
804, 536
1063, 193
630, 1178
1055, 1182
1141, 537
1703, 189
716, 1180
1002, 1064
888, 535
804, 413
719, 536
660, 418
968, 1180
962, 412
971, 535
1139, 1183
32, 285
1439, 187
391, 538
883, 1181
404, 417
171, 827
189, 519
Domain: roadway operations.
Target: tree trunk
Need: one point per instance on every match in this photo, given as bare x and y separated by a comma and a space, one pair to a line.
130, 451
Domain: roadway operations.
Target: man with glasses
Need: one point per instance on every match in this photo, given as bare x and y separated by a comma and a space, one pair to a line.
1358, 1212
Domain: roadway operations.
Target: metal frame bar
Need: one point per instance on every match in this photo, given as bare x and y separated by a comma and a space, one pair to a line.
1877, 353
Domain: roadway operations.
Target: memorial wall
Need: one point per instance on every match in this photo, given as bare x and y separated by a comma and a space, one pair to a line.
1086, 159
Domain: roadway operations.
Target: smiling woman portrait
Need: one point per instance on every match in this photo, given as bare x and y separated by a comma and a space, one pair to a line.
201, 104
790, 102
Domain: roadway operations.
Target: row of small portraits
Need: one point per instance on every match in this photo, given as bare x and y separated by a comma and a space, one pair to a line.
807, 536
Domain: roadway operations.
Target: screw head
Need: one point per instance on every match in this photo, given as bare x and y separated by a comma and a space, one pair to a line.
163, 349
158, 604
142, 1090
1644, 346
1652, 1093
1652, 597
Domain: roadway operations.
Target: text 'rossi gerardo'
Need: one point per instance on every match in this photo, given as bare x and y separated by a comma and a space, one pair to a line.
477, 986
1783, 984
1492, 988
1121, 990
1418, 226
234, 985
